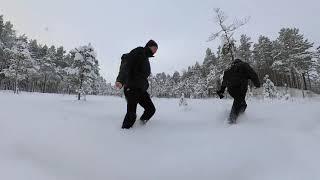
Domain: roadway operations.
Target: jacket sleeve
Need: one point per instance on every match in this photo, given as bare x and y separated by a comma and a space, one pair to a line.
252, 75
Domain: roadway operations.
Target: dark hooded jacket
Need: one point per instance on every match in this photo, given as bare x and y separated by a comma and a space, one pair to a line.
135, 68
236, 77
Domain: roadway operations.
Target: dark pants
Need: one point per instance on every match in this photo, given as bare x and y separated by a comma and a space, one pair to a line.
239, 103
135, 97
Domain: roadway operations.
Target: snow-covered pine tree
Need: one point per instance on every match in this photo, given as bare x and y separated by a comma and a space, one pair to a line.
20, 62
209, 60
52, 70
200, 88
317, 62
99, 86
197, 82
176, 77
263, 54
269, 89
152, 85
169, 83
87, 68
7, 39
48, 70
213, 80
69, 74
293, 55
7, 33
159, 85
244, 50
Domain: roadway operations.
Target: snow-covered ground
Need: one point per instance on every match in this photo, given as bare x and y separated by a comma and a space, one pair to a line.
54, 137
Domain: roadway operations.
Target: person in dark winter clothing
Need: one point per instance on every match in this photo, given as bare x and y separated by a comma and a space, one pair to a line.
133, 76
236, 79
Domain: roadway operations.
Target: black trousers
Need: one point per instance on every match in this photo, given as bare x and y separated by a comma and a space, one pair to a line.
135, 97
239, 103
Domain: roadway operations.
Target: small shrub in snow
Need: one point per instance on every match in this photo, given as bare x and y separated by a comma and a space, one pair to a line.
250, 93
183, 101
286, 97
269, 89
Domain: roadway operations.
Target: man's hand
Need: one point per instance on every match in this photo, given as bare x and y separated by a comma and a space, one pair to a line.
118, 85
220, 94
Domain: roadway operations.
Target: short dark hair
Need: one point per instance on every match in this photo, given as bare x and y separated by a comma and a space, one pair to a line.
151, 43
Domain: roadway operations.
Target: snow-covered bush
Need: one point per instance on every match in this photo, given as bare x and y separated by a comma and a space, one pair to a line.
269, 89
183, 101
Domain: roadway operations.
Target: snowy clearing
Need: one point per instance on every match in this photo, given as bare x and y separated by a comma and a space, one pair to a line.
54, 137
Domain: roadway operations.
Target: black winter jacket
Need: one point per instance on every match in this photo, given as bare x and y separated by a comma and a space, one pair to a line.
237, 76
135, 68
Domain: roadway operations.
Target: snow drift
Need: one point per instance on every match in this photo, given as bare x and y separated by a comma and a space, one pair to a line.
46, 137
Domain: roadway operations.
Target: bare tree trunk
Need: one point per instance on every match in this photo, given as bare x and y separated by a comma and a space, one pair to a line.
275, 78
289, 80
16, 86
304, 81
80, 88
16, 83
44, 84
310, 87
293, 79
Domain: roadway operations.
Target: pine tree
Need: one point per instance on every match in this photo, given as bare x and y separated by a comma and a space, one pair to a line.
48, 67
21, 63
213, 78
7, 38
293, 55
293, 51
210, 58
176, 77
60, 57
244, 50
38, 68
317, 62
1, 26
263, 54
223, 60
87, 68
8, 34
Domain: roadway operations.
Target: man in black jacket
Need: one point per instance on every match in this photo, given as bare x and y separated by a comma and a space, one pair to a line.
133, 76
236, 79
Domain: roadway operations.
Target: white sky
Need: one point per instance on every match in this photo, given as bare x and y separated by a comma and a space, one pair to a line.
181, 27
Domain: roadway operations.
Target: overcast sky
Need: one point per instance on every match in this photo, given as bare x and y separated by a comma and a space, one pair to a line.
181, 27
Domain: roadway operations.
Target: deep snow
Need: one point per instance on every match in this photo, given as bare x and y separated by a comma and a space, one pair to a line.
54, 137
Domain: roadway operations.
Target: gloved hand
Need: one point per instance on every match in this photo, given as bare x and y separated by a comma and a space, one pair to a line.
220, 94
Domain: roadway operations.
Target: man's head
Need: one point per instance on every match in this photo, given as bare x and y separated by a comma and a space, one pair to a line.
153, 46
